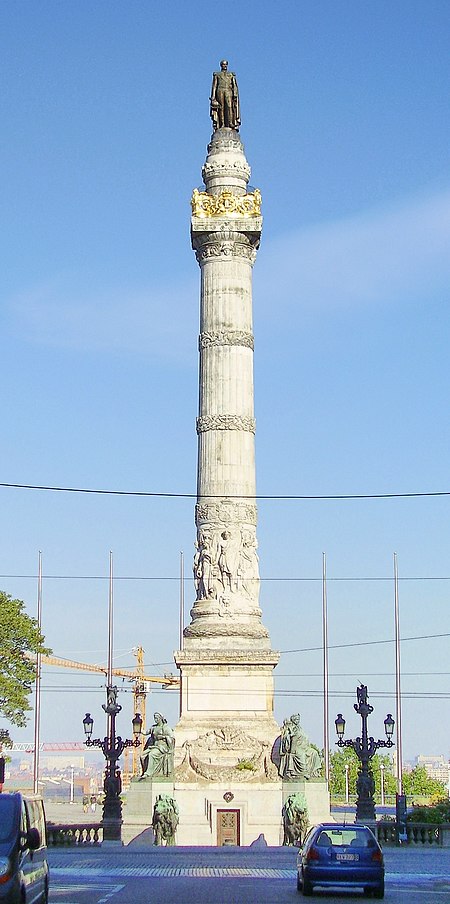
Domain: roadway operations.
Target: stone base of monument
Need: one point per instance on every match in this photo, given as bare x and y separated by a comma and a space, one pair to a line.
138, 807
226, 785
317, 799
220, 814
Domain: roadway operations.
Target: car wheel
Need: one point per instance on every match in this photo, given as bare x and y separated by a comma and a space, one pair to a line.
307, 888
379, 892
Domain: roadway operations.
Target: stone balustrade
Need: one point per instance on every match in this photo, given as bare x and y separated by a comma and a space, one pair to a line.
417, 833
74, 834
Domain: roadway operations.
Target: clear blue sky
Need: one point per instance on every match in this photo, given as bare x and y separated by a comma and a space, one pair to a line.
105, 122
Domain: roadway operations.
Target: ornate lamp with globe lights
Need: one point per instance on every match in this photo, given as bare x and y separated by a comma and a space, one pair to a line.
365, 748
112, 747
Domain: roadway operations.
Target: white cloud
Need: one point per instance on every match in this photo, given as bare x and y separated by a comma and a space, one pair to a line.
381, 256
153, 321
384, 256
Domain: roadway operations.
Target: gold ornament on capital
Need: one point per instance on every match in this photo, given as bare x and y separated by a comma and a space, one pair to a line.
226, 204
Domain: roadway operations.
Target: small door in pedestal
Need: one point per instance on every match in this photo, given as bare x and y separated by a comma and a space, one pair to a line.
228, 827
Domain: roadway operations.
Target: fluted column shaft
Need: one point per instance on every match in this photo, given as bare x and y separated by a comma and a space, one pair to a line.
225, 230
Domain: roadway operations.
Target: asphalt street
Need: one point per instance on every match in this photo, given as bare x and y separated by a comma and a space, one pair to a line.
227, 876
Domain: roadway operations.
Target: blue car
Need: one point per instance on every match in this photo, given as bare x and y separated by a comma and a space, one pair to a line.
341, 856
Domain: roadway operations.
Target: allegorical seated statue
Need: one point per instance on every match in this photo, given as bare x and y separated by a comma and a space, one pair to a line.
157, 760
295, 819
299, 760
224, 99
165, 820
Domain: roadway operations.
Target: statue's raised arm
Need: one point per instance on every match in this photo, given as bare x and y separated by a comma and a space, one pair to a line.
224, 110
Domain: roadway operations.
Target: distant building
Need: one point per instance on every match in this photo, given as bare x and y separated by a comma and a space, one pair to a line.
60, 762
437, 767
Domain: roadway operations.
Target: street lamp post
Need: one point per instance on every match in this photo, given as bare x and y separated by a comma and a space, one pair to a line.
382, 783
72, 772
365, 748
112, 747
347, 769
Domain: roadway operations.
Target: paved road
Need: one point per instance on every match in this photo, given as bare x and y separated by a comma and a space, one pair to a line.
227, 876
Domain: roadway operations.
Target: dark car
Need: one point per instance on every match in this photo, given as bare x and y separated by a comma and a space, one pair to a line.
339, 855
23, 850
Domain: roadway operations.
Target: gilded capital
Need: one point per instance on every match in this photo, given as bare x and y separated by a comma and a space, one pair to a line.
226, 204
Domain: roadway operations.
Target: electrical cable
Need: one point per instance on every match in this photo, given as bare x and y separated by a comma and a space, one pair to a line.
291, 496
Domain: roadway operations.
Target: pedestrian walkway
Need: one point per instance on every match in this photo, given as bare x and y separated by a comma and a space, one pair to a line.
425, 868
195, 872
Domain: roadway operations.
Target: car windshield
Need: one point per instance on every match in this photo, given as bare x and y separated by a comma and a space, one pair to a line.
345, 836
7, 814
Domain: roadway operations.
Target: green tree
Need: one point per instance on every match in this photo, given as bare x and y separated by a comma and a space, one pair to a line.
346, 756
19, 636
339, 759
389, 779
418, 782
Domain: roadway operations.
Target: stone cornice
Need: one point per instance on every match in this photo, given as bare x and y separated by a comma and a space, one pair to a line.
230, 657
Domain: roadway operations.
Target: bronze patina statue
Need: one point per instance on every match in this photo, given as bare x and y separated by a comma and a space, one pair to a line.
157, 761
224, 110
165, 820
295, 819
299, 760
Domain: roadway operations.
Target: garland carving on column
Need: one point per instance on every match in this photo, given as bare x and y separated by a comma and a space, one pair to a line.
225, 422
229, 337
225, 249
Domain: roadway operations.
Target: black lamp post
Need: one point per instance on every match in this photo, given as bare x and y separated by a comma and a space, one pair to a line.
365, 748
112, 747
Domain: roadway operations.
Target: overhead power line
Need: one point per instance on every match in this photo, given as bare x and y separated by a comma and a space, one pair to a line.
188, 580
289, 496
365, 643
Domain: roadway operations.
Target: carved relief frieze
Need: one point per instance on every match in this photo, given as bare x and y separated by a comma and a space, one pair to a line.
226, 567
226, 337
227, 755
225, 422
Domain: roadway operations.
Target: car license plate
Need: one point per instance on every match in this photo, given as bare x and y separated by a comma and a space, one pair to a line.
347, 857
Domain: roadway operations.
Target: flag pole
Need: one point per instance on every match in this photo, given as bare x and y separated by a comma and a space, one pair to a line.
326, 741
110, 620
37, 708
398, 698
181, 620
109, 680
181, 600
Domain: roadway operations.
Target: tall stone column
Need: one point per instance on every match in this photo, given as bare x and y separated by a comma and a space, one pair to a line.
226, 662
225, 230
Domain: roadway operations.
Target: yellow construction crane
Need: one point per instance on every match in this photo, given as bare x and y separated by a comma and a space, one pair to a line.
164, 680
137, 675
